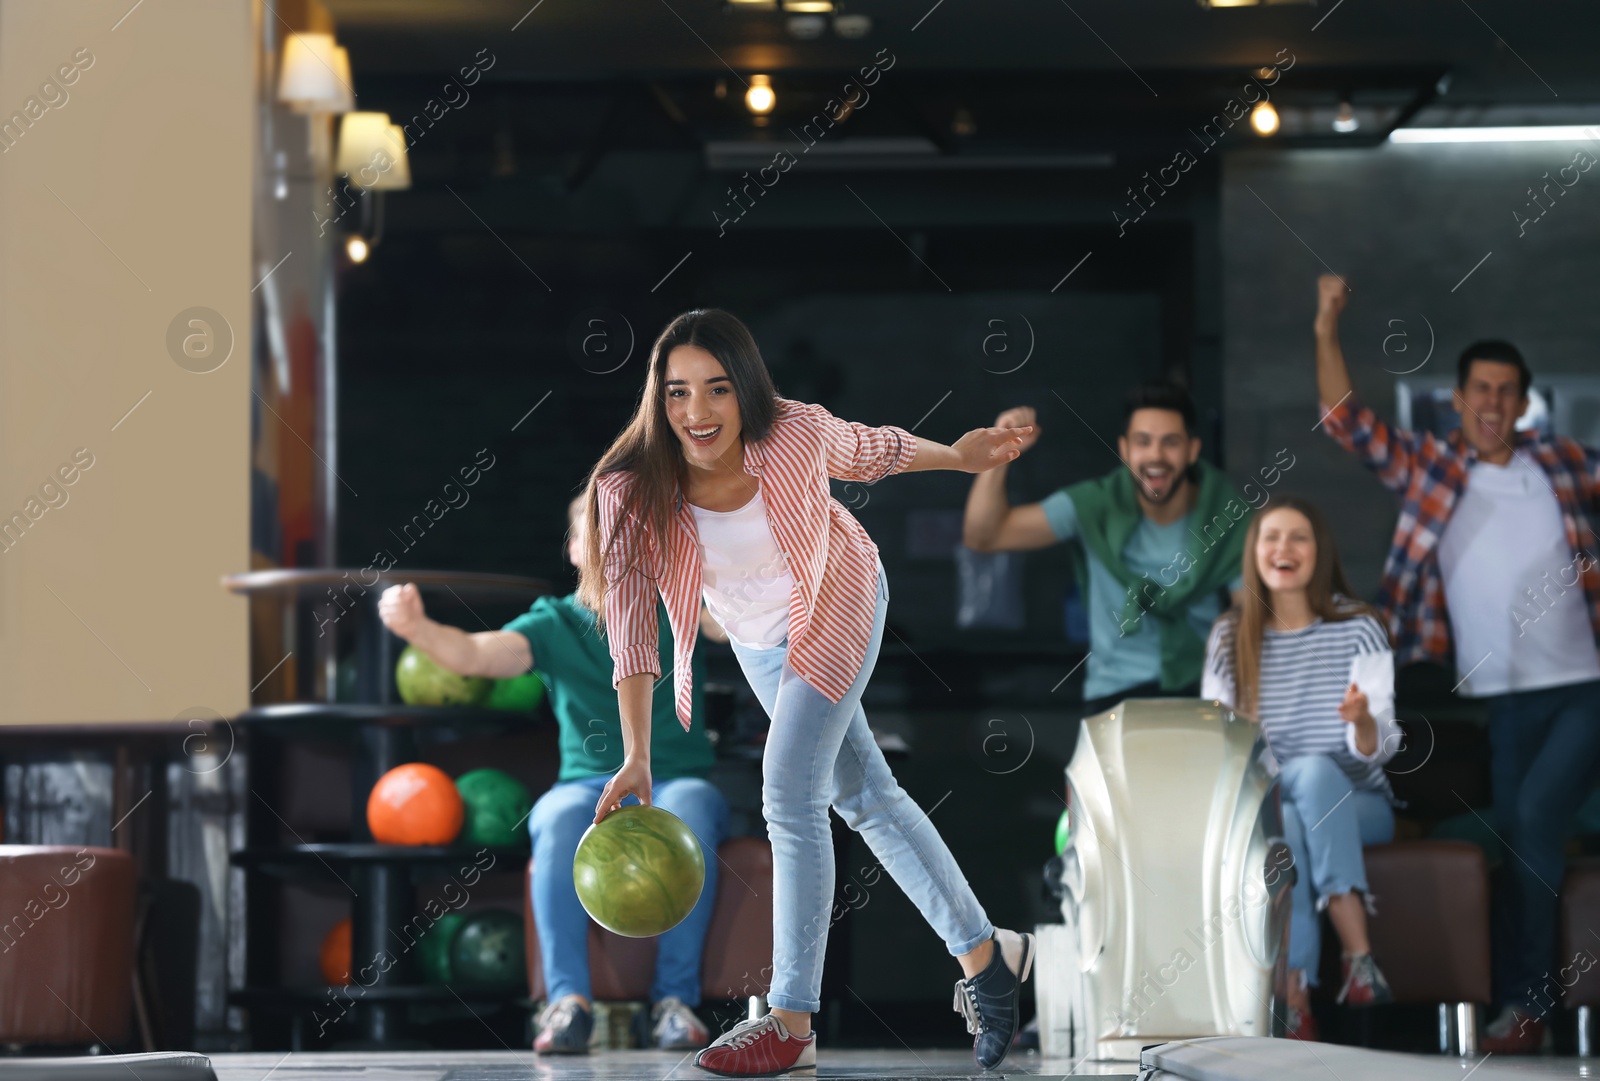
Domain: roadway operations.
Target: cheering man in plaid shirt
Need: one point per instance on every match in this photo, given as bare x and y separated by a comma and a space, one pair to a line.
1493, 567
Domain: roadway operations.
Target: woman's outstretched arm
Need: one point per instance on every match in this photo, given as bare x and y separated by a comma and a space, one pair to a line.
861, 452
979, 451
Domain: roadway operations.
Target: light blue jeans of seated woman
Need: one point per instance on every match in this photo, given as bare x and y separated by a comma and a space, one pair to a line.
820, 753
1326, 822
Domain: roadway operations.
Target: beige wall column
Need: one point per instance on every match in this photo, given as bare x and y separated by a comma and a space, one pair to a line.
126, 164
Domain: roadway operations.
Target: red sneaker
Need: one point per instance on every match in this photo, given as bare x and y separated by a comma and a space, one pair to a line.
759, 1048
1513, 1033
1364, 984
1302, 1026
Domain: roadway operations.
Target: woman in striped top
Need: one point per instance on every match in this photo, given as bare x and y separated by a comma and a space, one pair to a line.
1313, 666
718, 488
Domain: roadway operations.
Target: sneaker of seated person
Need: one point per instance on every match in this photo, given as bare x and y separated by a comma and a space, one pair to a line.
675, 1027
564, 1027
759, 1048
1364, 984
1514, 1032
1301, 1025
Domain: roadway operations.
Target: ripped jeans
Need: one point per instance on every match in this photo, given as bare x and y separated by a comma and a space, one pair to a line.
1326, 822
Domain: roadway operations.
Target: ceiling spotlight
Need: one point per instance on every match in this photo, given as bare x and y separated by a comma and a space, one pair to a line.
1345, 120
852, 26
753, 5
1264, 118
806, 27
357, 249
808, 7
759, 98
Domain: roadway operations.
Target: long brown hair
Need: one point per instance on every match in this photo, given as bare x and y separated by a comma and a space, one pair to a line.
1249, 620
648, 448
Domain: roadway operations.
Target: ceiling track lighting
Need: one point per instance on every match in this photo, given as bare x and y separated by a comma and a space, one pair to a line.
1264, 118
759, 97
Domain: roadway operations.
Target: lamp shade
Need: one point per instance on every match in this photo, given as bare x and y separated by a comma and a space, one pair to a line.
315, 77
399, 176
372, 152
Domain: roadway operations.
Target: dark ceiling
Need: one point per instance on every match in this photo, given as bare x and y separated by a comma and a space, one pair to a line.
1498, 50
1005, 84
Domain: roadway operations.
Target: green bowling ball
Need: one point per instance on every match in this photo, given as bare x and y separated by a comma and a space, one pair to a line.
497, 808
422, 682
487, 950
433, 948
520, 694
1064, 831
639, 871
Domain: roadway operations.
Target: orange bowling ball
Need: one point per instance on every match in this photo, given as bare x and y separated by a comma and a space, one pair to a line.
336, 954
415, 804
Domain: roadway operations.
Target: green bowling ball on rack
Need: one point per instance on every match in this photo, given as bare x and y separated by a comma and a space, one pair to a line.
487, 950
519, 694
423, 682
497, 808
433, 948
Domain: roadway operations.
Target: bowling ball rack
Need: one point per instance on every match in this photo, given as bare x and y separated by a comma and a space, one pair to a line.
381, 733
381, 878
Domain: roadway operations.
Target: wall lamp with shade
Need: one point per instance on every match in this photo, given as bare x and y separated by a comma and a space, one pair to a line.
315, 80
372, 157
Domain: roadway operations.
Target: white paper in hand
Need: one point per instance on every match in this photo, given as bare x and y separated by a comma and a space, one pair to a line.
1373, 675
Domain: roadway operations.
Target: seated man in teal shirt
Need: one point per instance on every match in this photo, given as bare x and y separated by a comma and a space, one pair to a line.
1153, 543
557, 635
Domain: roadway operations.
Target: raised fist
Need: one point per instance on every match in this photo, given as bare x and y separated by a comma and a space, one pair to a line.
400, 608
1331, 296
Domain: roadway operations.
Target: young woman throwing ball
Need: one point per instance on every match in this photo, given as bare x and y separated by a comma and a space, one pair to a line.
718, 488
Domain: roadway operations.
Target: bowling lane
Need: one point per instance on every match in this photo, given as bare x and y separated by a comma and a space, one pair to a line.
901, 1065
905, 1064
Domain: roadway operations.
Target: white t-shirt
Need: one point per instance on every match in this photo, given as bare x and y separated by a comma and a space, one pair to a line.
745, 578
1517, 608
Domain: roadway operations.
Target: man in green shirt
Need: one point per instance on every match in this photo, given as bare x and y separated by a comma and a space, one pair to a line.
1156, 545
557, 635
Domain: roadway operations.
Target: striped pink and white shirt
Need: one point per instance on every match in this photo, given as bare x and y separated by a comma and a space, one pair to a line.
831, 557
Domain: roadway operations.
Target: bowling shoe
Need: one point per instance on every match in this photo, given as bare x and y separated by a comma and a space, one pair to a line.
1514, 1033
1364, 984
564, 1027
758, 1048
988, 1001
675, 1026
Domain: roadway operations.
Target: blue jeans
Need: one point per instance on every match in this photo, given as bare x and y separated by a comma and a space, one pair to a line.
556, 824
1326, 822
820, 753
1546, 756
